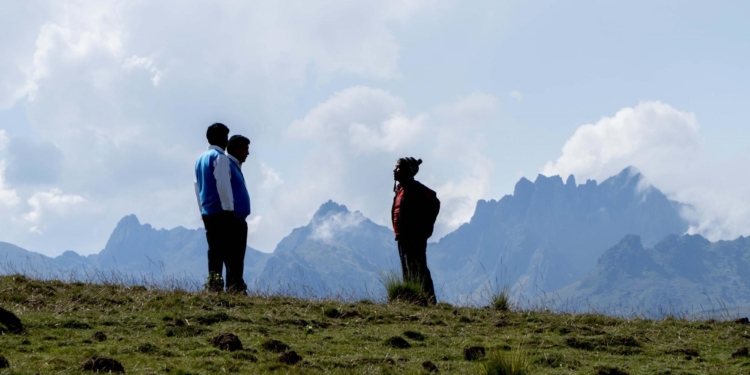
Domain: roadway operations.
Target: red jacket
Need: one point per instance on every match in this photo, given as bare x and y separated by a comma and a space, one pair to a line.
415, 208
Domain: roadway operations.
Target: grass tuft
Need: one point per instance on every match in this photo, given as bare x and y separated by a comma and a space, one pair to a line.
500, 300
514, 362
402, 290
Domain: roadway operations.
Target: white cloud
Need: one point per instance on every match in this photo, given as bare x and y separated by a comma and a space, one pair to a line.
47, 203
665, 145
125, 99
392, 134
271, 178
331, 225
8, 197
651, 135
515, 94
145, 63
357, 106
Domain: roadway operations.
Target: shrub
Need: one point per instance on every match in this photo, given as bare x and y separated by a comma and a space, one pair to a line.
514, 362
403, 290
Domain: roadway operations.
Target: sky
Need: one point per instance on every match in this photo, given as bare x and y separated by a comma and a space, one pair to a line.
104, 106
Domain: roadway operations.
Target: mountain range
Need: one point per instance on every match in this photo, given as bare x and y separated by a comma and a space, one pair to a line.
614, 246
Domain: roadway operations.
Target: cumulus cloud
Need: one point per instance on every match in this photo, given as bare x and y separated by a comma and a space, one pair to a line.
515, 94
49, 203
664, 143
121, 92
351, 143
8, 197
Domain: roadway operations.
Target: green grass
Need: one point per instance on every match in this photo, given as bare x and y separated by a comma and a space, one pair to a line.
169, 332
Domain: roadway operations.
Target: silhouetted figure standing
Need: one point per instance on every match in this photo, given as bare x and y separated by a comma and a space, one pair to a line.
234, 259
414, 211
213, 189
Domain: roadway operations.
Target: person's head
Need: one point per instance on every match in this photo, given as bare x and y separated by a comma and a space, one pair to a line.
406, 169
217, 135
239, 147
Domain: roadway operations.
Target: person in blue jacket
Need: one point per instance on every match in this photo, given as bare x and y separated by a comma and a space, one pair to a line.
237, 151
213, 189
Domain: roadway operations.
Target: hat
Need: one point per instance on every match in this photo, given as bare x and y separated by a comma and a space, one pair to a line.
412, 163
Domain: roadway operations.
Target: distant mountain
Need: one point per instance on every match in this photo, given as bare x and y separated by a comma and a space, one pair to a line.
681, 274
133, 249
338, 253
545, 236
139, 248
549, 233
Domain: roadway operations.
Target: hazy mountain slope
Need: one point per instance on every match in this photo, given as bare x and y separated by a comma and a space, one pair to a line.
337, 252
679, 274
549, 233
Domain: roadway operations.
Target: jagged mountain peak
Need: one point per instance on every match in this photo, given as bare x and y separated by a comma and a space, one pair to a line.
129, 221
330, 208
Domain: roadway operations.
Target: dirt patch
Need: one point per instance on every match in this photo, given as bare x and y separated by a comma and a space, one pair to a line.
99, 336
210, 319
74, 324
605, 370
274, 346
10, 322
289, 357
102, 365
416, 336
227, 341
429, 366
473, 353
397, 342
741, 352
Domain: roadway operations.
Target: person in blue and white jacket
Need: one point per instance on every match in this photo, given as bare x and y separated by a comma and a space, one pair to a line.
216, 198
237, 152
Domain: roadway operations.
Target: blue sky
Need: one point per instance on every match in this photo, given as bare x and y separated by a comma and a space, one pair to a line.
103, 106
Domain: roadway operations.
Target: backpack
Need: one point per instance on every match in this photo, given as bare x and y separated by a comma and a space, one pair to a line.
430, 207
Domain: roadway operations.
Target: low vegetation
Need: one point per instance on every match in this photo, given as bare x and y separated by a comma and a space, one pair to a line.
74, 327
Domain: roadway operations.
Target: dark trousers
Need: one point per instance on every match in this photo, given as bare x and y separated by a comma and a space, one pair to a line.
413, 254
227, 241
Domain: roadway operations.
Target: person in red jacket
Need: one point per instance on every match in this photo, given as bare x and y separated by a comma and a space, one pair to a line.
414, 211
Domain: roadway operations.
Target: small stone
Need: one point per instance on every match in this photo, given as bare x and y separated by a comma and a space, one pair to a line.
99, 336
289, 357
473, 353
429, 366
102, 365
227, 341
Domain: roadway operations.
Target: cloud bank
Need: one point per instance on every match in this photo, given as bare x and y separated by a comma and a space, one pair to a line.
665, 144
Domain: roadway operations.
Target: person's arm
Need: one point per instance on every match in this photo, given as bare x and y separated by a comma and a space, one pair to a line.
198, 196
223, 175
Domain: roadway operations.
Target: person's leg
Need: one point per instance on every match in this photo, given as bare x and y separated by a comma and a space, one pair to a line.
216, 236
404, 259
235, 259
423, 272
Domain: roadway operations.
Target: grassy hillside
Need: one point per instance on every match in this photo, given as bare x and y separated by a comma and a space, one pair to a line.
169, 332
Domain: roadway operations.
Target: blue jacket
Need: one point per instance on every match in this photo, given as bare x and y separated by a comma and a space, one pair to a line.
212, 182
239, 190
